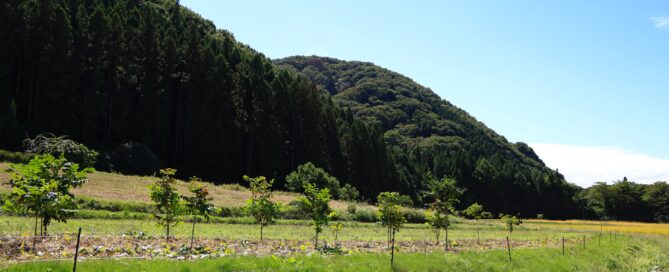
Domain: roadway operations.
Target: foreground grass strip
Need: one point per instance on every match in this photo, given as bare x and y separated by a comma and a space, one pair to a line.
629, 255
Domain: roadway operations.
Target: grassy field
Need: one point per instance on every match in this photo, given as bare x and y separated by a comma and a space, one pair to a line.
111, 186
286, 229
620, 255
611, 245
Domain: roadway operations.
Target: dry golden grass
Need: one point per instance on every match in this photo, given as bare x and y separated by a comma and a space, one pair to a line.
604, 226
113, 186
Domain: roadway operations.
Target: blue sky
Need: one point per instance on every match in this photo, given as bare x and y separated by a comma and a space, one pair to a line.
575, 79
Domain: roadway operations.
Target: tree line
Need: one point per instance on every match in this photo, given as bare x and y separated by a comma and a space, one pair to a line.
626, 201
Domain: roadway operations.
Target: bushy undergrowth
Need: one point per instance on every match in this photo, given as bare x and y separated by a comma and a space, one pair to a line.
14, 157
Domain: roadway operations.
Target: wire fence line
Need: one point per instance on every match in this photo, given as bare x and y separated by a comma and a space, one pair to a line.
60, 247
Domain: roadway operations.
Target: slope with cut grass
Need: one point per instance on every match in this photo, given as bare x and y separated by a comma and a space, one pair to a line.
126, 188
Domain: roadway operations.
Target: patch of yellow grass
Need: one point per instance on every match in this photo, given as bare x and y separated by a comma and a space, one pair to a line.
113, 186
604, 226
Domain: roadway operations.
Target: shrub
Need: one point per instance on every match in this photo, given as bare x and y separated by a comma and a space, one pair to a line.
405, 201
308, 173
113, 205
414, 215
132, 158
351, 208
365, 215
232, 212
348, 192
56, 146
15, 157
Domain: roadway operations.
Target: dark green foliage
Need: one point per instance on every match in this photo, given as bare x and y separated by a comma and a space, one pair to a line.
626, 200
133, 159
57, 146
154, 73
348, 193
307, 173
15, 157
427, 134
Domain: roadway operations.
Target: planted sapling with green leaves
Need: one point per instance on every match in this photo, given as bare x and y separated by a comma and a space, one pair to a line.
198, 205
260, 205
166, 199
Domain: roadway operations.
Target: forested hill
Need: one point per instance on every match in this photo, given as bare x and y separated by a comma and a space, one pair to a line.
108, 73
427, 134
151, 72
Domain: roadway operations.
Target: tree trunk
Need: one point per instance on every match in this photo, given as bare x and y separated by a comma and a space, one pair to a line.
446, 240
261, 227
316, 244
392, 249
192, 234
167, 235
35, 236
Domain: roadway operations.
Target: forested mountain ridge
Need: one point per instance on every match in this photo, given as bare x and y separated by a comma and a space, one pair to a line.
107, 73
152, 72
427, 134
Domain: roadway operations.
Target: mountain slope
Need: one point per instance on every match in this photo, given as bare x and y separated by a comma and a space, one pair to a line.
152, 72
428, 134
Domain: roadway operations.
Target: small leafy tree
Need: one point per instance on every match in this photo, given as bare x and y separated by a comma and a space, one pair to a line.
72, 151
486, 215
198, 205
315, 203
166, 199
474, 211
306, 173
391, 216
42, 188
436, 222
510, 221
348, 193
260, 206
336, 228
444, 194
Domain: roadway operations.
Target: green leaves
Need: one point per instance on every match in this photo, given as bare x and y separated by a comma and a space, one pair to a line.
474, 211
200, 204
315, 203
260, 206
443, 193
309, 173
42, 188
167, 202
510, 221
390, 210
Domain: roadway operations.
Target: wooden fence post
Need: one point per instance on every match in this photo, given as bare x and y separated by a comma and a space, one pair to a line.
76, 253
508, 246
562, 245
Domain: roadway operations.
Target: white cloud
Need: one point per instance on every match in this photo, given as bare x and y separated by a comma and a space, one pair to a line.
585, 165
660, 22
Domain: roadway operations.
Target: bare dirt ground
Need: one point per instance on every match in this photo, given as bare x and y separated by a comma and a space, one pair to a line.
17, 248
